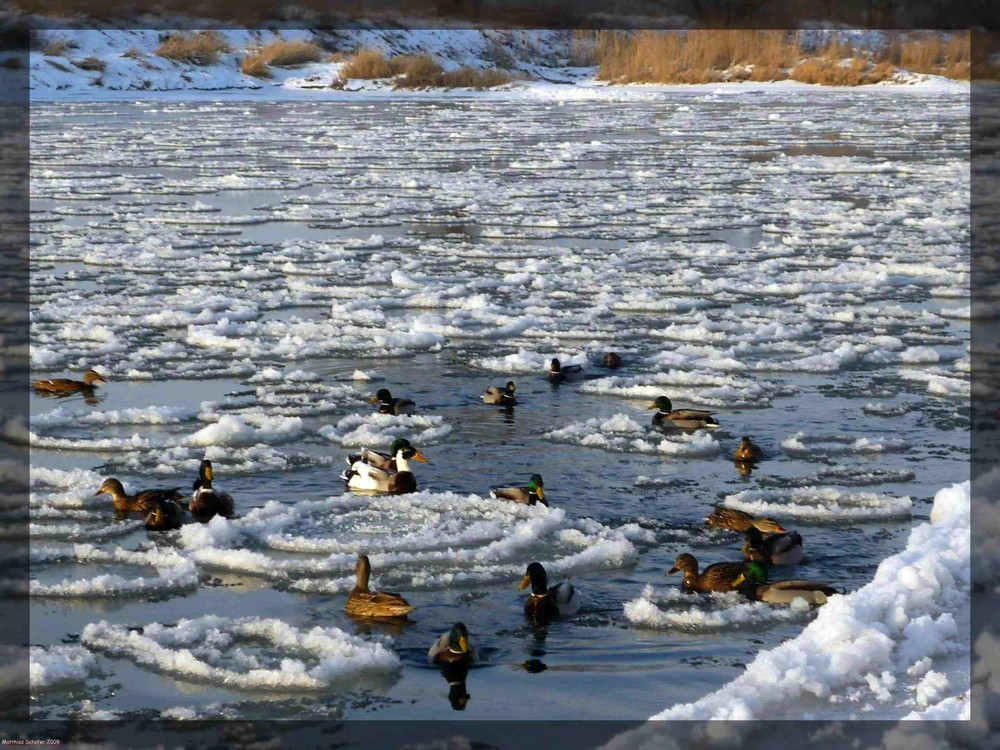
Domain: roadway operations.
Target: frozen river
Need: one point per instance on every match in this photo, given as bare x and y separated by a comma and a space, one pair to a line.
247, 274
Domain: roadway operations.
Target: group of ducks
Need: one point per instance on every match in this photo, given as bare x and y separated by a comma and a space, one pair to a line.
164, 509
766, 542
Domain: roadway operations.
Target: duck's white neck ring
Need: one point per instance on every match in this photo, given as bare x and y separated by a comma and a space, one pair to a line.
534, 594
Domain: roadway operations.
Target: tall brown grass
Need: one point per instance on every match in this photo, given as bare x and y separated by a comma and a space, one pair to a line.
255, 65
202, 48
283, 54
419, 71
709, 55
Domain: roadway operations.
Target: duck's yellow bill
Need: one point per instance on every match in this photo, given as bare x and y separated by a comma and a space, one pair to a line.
373, 400
651, 407
739, 579
208, 473
525, 582
541, 493
418, 456
463, 644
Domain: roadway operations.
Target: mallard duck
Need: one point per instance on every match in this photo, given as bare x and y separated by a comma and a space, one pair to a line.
389, 405
533, 493
561, 600
396, 478
208, 502
747, 451
737, 520
611, 360
775, 549
500, 396
165, 516
753, 585
453, 647
65, 385
381, 460
687, 419
141, 502
716, 577
365, 603
558, 373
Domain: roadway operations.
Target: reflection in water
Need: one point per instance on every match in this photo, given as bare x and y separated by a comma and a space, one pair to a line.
745, 468
534, 666
379, 625
455, 675
91, 396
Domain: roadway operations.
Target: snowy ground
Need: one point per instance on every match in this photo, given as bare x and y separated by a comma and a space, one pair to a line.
544, 59
247, 272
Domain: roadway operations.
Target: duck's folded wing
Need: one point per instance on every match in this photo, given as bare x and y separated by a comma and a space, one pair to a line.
437, 647
374, 458
799, 585
690, 414
517, 494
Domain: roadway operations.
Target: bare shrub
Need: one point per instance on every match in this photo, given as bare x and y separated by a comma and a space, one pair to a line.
202, 48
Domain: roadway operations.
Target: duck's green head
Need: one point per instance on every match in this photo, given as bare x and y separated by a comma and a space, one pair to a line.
536, 485
383, 396
555, 366
662, 404
754, 573
458, 638
402, 446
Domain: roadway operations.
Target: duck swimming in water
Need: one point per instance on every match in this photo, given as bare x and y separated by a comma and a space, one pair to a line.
208, 502
141, 502
719, 576
453, 647
67, 386
395, 476
561, 600
737, 520
686, 419
389, 405
774, 549
747, 451
533, 493
559, 373
753, 585
500, 396
363, 602
611, 360
165, 516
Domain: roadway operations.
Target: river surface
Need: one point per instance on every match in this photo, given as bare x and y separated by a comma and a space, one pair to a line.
246, 274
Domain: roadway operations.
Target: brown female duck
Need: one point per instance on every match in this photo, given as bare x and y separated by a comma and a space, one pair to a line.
737, 520
365, 603
716, 577
65, 385
141, 502
747, 451
165, 516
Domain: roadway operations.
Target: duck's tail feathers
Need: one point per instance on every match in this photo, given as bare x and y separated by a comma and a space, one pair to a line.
353, 459
346, 474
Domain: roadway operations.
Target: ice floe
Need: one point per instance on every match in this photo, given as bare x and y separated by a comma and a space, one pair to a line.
219, 650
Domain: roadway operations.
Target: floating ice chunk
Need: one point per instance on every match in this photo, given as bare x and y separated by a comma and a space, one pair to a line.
174, 572
217, 650
622, 433
151, 415
821, 446
710, 612
58, 666
238, 430
375, 430
820, 504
